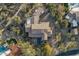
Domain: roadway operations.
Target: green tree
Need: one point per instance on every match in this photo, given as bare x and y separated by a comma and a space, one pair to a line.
17, 30
61, 47
38, 51
58, 11
66, 7
71, 45
17, 19
58, 37
26, 48
2, 42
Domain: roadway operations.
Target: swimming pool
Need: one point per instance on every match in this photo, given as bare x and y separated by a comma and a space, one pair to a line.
3, 49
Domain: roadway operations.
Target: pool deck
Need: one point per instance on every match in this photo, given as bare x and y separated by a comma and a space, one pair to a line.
5, 53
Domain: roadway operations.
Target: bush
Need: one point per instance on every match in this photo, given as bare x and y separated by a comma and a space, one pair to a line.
47, 50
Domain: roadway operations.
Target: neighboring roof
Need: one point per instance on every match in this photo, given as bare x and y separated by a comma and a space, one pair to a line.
75, 10
74, 23
73, 5
71, 16
29, 20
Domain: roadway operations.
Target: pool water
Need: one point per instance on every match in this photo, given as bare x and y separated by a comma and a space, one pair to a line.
3, 49
39, 41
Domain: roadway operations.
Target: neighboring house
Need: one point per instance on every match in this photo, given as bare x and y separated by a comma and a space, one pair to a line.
73, 16
37, 29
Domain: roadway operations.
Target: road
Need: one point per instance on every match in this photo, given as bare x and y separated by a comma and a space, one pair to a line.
74, 52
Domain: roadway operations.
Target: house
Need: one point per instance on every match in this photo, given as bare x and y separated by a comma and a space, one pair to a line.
73, 5
37, 29
74, 10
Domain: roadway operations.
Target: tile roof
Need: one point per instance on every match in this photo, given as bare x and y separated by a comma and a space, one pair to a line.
43, 25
